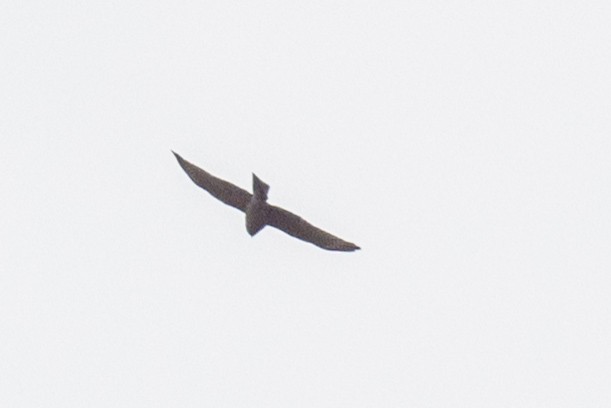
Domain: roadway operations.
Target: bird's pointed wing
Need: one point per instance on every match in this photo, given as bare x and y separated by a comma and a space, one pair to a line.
223, 190
299, 228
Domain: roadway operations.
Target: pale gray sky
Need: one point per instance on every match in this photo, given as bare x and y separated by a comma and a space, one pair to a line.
465, 146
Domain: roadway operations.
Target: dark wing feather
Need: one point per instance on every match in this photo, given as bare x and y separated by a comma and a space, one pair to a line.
299, 228
224, 191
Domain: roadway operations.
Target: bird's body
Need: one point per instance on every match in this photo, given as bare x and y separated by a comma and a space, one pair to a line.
259, 213
256, 215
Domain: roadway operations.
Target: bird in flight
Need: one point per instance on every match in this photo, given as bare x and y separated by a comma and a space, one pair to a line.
258, 212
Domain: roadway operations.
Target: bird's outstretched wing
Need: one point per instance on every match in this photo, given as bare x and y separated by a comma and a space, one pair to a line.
223, 190
299, 228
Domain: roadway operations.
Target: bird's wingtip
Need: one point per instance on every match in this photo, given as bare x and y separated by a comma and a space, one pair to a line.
344, 247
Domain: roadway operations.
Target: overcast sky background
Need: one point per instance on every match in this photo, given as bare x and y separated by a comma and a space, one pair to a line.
465, 146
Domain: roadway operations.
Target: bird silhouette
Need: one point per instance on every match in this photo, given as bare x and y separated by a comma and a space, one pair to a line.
258, 212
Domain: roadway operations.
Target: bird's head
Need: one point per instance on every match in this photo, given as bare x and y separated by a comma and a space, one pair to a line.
259, 188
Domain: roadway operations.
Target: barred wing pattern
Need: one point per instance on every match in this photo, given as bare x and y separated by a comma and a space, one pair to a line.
299, 228
224, 191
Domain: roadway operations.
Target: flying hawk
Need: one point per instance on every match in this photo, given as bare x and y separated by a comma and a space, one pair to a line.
258, 212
